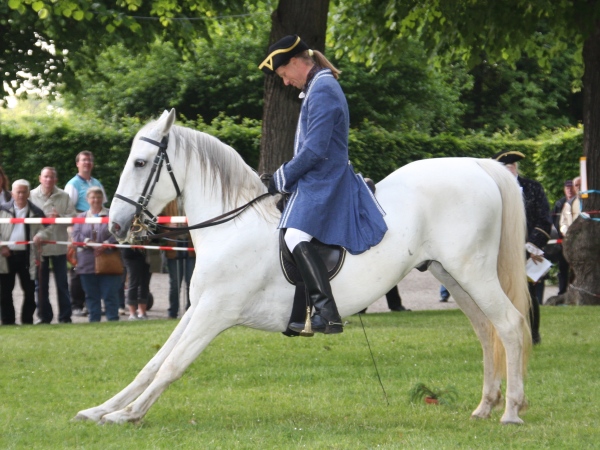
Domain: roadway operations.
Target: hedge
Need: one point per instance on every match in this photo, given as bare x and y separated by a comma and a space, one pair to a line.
30, 144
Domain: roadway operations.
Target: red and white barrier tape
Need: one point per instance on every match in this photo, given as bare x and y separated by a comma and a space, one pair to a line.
99, 244
73, 220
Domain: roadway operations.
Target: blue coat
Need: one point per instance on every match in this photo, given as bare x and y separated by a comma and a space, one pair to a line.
328, 200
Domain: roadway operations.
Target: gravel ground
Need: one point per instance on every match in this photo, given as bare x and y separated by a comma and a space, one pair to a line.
419, 291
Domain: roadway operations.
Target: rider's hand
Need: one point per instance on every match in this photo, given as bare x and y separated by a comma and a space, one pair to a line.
272, 187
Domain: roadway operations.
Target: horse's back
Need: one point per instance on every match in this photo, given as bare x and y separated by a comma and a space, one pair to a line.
450, 206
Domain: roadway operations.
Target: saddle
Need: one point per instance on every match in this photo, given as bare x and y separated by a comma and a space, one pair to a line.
332, 255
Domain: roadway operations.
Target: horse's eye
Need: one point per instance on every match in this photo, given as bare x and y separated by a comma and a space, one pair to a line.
140, 163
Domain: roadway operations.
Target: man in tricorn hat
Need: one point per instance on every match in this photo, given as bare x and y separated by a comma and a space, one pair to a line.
539, 224
328, 201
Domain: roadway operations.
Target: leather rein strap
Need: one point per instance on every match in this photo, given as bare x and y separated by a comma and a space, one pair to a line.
210, 222
142, 203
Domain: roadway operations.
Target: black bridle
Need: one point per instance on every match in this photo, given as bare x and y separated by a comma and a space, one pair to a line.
141, 210
149, 223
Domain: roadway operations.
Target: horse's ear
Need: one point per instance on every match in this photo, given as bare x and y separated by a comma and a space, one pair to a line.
169, 118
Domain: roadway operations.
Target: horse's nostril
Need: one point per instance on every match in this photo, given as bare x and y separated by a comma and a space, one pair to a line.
116, 227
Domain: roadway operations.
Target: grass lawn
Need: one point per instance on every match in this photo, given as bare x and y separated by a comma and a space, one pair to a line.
252, 389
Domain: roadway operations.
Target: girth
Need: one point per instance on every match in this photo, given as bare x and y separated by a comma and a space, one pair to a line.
333, 256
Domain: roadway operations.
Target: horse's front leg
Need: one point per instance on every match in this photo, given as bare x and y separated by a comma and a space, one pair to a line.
204, 326
142, 380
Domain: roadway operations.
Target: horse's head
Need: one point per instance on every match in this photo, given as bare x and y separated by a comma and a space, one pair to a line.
145, 186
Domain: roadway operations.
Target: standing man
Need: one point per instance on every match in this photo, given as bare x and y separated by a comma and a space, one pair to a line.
19, 259
539, 224
77, 188
55, 203
78, 185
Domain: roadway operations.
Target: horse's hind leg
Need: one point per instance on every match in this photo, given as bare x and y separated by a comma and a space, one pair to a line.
510, 328
142, 380
492, 379
204, 327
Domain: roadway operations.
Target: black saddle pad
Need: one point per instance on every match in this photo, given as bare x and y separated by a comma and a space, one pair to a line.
333, 256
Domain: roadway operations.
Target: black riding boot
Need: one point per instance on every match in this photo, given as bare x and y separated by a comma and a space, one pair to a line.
314, 273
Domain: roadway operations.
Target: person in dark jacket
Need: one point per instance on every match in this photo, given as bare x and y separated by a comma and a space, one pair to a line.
328, 201
19, 259
539, 225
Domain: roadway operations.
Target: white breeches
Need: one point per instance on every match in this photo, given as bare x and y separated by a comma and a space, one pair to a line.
294, 236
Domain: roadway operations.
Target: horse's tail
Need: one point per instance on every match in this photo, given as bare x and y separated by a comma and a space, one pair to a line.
511, 258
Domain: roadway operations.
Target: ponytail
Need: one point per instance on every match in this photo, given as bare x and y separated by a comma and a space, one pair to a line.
319, 59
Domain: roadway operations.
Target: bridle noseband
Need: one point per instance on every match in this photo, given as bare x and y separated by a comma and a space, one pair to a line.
139, 222
149, 224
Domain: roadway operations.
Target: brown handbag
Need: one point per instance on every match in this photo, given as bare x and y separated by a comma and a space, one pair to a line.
109, 263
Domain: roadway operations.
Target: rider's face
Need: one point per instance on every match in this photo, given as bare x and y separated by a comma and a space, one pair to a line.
293, 73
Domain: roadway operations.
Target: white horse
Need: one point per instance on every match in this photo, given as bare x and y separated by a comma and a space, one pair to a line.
462, 216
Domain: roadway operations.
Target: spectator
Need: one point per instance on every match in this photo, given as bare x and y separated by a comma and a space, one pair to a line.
180, 265
138, 286
444, 294
572, 208
19, 259
394, 301
77, 188
55, 203
5, 196
96, 287
563, 265
539, 224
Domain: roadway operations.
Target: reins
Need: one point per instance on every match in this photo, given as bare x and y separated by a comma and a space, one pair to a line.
140, 223
210, 222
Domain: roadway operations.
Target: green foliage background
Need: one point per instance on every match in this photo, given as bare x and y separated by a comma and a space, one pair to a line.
29, 144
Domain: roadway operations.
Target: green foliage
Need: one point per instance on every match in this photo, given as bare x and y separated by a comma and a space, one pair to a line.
471, 30
523, 99
376, 152
445, 396
250, 389
243, 136
222, 77
557, 160
34, 141
81, 28
31, 143
407, 95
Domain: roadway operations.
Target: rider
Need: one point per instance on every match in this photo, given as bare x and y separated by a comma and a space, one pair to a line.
328, 201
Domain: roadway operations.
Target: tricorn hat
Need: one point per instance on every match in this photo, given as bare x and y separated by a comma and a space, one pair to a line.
508, 156
281, 52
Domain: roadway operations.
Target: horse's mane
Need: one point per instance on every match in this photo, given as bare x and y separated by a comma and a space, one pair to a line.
220, 168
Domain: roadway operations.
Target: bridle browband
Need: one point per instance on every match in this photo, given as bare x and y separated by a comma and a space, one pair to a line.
150, 224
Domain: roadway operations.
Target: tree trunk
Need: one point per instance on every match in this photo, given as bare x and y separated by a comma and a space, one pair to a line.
582, 242
307, 19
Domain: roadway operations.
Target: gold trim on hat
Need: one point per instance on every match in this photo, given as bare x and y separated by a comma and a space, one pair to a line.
268, 62
512, 152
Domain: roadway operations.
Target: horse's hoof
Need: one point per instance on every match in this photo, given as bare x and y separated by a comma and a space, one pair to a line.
117, 418
512, 421
87, 414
